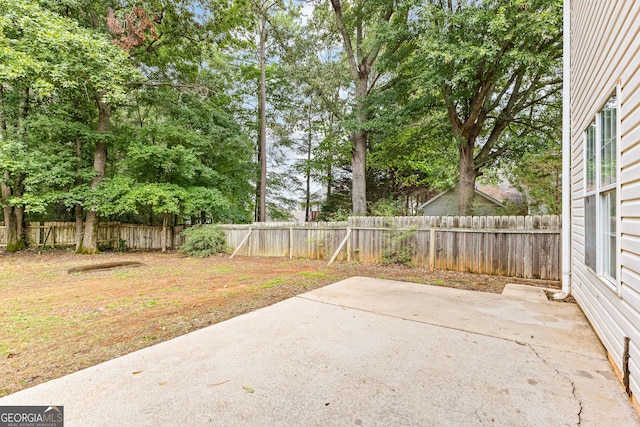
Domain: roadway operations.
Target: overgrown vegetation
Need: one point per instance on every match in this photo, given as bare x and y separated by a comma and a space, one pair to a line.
203, 240
397, 249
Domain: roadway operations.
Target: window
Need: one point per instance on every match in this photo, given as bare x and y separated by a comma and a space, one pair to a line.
600, 191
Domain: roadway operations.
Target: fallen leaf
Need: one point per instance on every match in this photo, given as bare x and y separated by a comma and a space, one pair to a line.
248, 389
136, 372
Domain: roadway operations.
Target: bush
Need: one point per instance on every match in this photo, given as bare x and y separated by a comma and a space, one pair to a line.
202, 241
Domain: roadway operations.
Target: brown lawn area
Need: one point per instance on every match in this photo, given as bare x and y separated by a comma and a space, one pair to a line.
53, 323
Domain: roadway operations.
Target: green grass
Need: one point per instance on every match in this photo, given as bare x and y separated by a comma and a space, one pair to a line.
24, 327
125, 274
88, 316
222, 269
149, 303
8, 275
119, 305
316, 275
271, 284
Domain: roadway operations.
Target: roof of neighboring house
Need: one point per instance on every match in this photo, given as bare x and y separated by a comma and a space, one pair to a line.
496, 195
478, 192
501, 193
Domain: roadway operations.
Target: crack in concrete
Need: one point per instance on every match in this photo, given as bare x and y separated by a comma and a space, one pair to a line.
573, 385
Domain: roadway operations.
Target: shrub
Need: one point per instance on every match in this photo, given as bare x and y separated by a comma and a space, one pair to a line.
397, 248
202, 241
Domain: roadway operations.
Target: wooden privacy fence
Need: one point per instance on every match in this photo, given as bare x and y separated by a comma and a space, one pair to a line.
109, 234
526, 247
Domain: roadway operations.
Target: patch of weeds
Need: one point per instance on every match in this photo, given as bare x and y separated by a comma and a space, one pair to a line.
305, 285
8, 276
314, 275
437, 282
149, 303
227, 294
45, 275
125, 274
119, 305
85, 317
271, 284
398, 249
27, 327
150, 337
5, 351
222, 269
170, 290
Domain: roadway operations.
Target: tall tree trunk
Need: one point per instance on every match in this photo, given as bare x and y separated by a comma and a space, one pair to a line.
163, 238
89, 243
359, 153
360, 63
263, 121
307, 211
330, 162
9, 218
5, 190
13, 184
18, 190
256, 213
467, 183
78, 210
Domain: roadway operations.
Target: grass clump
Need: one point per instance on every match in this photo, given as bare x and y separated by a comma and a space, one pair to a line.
202, 241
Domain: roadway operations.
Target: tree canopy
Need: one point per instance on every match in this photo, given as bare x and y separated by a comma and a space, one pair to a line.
170, 111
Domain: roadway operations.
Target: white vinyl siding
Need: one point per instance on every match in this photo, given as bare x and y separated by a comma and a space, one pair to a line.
605, 198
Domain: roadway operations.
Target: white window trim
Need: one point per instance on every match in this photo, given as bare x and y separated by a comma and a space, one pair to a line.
619, 190
598, 191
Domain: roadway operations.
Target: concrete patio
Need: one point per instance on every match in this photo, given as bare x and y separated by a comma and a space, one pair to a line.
361, 352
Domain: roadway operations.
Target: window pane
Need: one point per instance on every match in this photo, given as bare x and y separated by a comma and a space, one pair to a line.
591, 157
590, 231
609, 234
608, 135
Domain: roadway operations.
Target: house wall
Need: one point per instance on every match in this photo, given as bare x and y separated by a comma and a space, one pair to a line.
605, 52
447, 205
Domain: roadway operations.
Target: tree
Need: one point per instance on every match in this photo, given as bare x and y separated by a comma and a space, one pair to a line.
495, 65
362, 26
43, 53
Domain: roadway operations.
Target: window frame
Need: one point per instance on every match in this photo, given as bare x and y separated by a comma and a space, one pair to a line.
601, 192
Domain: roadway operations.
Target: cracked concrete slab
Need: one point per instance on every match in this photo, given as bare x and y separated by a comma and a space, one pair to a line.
360, 352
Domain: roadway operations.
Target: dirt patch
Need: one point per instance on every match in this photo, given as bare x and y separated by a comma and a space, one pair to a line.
53, 323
